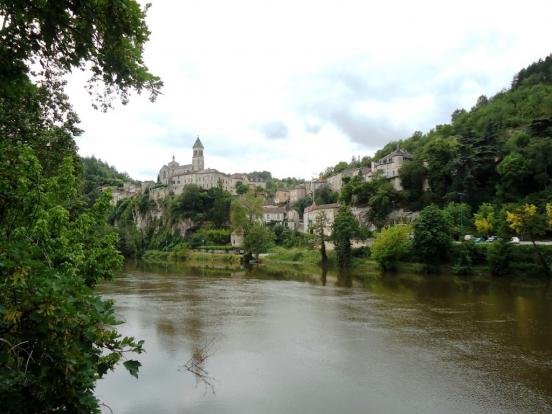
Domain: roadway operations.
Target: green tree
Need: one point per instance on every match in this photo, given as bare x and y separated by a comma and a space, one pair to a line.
301, 204
528, 221
325, 195
56, 335
241, 188
390, 246
344, 229
432, 241
258, 239
485, 219
413, 175
319, 226
459, 217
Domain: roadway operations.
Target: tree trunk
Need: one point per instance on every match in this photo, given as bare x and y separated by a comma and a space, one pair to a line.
323, 249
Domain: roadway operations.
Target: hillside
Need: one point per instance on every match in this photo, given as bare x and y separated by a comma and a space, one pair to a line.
500, 151
97, 173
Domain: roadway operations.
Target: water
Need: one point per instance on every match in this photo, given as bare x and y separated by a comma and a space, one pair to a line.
402, 344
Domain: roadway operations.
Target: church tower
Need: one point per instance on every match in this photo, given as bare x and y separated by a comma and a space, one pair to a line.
197, 159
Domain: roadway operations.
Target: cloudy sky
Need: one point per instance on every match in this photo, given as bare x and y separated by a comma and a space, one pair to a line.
295, 86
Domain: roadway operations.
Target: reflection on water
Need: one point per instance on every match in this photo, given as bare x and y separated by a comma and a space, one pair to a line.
274, 340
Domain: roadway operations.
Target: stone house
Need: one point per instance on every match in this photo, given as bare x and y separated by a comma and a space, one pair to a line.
390, 165
297, 193
311, 212
274, 214
293, 219
281, 197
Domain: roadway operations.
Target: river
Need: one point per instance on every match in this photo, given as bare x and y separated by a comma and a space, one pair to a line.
220, 341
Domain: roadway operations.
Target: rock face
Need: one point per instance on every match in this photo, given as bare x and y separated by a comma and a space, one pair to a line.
156, 216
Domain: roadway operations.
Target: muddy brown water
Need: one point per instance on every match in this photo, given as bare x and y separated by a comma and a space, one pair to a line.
221, 341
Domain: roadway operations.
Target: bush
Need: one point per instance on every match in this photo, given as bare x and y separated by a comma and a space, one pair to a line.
432, 241
463, 254
390, 246
213, 237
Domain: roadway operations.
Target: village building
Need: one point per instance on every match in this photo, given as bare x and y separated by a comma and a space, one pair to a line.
293, 219
127, 190
175, 176
390, 165
311, 212
297, 193
274, 214
281, 197
313, 185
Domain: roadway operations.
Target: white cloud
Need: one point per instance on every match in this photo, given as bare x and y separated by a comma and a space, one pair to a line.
343, 77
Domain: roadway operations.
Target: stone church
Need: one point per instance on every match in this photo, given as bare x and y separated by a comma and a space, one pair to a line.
176, 176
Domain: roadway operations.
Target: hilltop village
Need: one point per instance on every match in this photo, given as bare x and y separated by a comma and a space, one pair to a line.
295, 207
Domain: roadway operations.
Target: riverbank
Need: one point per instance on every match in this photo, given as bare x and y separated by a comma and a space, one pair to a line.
520, 261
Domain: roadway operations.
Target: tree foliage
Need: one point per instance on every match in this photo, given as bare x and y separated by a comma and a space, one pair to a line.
344, 229
56, 335
432, 241
390, 246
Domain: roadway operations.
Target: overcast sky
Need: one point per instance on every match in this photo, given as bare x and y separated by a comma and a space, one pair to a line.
295, 86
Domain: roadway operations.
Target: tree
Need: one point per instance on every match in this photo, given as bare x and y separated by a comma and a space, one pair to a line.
432, 240
459, 217
319, 227
382, 203
107, 37
527, 220
301, 204
258, 239
485, 219
390, 246
241, 188
325, 195
345, 228
56, 335
246, 217
413, 175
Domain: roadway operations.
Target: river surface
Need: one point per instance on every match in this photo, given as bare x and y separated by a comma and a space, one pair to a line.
289, 342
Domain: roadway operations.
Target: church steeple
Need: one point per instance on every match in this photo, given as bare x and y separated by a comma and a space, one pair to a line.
198, 143
197, 159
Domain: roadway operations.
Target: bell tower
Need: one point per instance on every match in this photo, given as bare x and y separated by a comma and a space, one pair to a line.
197, 158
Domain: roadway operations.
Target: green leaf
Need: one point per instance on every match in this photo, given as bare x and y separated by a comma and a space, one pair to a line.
132, 367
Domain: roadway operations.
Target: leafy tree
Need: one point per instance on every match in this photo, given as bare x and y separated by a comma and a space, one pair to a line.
319, 227
432, 240
413, 175
301, 204
241, 188
246, 210
527, 220
382, 203
325, 195
390, 246
514, 171
459, 217
485, 219
57, 335
345, 228
258, 239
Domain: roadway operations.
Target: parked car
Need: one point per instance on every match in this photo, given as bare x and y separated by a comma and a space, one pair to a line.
479, 240
515, 240
468, 237
492, 239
